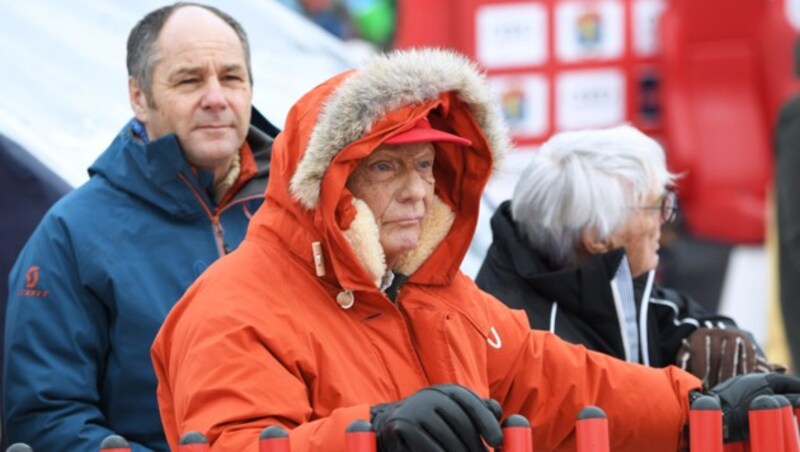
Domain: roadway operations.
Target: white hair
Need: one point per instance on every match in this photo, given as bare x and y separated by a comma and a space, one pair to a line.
585, 180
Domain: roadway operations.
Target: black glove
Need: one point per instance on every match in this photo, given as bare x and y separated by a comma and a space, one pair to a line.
445, 417
735, 394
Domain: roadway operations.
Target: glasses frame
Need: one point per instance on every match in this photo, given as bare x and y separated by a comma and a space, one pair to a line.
667, 207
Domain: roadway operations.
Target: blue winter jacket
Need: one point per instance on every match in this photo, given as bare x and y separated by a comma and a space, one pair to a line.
93, 284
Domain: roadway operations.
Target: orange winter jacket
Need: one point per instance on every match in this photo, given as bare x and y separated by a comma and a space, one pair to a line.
268, 336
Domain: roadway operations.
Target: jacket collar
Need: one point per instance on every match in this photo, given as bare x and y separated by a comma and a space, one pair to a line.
584, 289
157, 172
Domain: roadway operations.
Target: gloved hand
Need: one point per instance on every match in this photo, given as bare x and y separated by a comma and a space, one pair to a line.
445, 417
714, 355
735, 394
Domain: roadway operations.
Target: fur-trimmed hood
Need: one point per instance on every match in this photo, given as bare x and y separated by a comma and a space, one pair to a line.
343, 120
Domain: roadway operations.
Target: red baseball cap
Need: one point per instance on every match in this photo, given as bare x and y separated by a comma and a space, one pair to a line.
424, 132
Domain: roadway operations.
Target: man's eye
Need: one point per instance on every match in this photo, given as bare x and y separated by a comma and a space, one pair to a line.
381, 166
188, 81
234, 78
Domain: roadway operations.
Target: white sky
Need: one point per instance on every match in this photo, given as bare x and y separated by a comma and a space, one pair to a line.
63, 90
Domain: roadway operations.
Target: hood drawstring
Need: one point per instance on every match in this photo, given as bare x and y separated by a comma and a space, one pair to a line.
345, 299
319, 261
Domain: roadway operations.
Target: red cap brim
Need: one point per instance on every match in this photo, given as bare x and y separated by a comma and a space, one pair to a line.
423, 132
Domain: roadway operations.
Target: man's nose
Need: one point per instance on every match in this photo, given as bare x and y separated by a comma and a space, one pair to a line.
214, 95
414, 187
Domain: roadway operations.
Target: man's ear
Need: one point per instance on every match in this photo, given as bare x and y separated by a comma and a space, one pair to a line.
138, 100
593, 244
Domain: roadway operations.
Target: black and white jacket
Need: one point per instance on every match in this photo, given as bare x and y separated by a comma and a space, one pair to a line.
581, 304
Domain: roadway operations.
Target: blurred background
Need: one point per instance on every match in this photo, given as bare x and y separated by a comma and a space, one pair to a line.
707, 78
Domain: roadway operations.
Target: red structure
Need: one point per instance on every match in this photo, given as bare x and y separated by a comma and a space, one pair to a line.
722, 87
517, 434
360, 437
274, 439
766, 425
556, 64
704, 76
591, 430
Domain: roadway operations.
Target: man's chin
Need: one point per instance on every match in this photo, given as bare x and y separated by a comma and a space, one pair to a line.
400, 247
212, 146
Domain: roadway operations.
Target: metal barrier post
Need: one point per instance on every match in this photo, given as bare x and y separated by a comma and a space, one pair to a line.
790, 443
592, 430
360, 437
115, 443
766, 425
796, 406
274, 439
193, 442
705, 425
517, 434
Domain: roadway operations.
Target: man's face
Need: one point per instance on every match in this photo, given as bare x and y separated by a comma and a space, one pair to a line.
397, 184
640, 235
201, 90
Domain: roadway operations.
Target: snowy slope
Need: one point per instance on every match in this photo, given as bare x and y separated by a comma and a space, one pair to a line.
63, 87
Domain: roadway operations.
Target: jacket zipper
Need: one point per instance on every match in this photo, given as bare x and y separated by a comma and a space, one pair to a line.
216, 225
404, 316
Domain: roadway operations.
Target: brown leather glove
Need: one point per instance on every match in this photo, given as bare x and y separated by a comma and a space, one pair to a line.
714, 355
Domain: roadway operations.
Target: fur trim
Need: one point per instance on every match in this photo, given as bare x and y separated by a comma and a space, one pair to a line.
386, 83
364, 237
365, 240
435, 227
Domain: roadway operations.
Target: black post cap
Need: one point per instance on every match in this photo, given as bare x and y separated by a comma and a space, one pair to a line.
591, 412
359, 426
705, 403
114, 442
764, 402
272, 432
193, 438
516, 420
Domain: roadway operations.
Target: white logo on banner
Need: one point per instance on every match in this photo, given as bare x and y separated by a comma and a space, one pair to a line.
589, 30
646, 15
511, 35
523, 100
590, 98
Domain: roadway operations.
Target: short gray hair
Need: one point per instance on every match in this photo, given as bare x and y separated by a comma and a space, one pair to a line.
142, 53
583, 180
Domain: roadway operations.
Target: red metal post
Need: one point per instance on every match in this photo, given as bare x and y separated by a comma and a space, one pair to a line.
274, 439
766, 425
114, 443
517, 434
193, 442
705, 425
360, 437
796, 405
592, 430
790, 443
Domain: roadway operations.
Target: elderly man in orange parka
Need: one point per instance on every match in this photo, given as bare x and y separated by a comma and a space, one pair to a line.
345, 301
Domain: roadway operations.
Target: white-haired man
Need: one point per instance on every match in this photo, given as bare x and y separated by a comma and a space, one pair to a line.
577, 248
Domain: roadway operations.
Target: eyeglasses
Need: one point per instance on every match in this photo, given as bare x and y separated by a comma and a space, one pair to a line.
668, 207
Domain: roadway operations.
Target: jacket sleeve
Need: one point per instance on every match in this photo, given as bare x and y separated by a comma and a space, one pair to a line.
678, 315
55, 347
549, 381
230, 386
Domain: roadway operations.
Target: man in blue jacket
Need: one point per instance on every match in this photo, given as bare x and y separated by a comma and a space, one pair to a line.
172, 193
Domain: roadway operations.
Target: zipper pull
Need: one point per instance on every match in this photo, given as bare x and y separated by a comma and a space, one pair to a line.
219, 231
